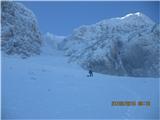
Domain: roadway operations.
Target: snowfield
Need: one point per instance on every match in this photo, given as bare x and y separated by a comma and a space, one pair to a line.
49, 87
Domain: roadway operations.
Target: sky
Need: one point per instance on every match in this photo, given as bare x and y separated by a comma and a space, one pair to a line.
60, 18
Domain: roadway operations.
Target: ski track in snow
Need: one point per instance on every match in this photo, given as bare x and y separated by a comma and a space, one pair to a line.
47, 86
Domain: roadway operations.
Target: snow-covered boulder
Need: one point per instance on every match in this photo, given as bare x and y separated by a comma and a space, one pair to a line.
19, 33
126, 45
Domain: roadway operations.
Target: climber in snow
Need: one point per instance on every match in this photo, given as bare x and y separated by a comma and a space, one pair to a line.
90, 73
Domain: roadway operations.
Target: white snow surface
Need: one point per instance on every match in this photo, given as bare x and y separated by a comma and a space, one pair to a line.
48, 87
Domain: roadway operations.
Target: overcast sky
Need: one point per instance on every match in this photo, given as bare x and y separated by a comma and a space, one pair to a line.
61, 18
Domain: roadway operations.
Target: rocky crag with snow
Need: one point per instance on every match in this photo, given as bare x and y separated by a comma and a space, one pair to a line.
19, 31
126, 45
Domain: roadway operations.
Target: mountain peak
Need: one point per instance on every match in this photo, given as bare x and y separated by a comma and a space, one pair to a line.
137, 18
137, 14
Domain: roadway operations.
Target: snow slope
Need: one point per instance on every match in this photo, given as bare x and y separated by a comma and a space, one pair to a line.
47, 87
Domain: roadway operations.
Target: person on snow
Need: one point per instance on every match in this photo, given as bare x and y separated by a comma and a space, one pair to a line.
90, 73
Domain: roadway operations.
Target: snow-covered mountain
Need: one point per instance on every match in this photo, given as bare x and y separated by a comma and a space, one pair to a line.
126, 45
20, 33
51, 43
46, 86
